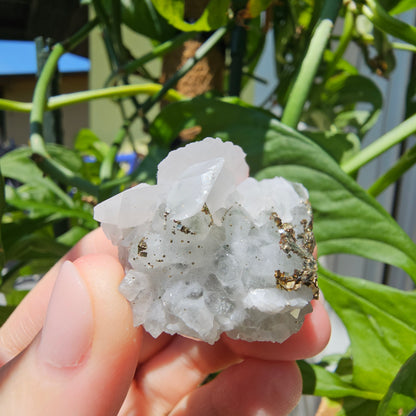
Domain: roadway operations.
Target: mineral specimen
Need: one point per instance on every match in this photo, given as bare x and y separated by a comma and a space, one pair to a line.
209, 250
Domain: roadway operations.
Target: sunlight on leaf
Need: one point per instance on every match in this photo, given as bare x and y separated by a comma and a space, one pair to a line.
401, 397
381, 324
213, 16
320, 382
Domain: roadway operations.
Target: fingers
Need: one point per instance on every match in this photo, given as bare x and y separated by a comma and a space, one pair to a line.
309, 341
183, 364
152, 346
26, 321
175, 371
246, 389
83, 360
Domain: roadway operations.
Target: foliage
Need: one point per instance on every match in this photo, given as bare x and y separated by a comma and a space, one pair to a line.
50, 190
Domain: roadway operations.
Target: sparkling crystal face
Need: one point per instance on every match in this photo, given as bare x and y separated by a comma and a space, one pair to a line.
215, 251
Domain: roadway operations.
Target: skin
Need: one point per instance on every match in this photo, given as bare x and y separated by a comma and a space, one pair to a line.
128, 373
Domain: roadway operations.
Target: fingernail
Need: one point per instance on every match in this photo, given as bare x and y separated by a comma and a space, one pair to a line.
68, 329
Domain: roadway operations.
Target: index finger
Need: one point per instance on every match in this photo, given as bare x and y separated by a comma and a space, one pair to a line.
27, 320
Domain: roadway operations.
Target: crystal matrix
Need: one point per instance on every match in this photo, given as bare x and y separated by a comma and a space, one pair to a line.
209, 250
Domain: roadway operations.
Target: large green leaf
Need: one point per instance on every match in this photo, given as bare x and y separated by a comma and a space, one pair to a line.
341, 146
214, 15
381, 324
401, 397
320, 382
357, 406
347, 219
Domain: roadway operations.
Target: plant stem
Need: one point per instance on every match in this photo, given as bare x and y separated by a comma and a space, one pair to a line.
112, 92
115, 30
394, 173
41, 156
189, 64
310, 63
403, 46
159, 50
39, 101
344, 41
369, 39
107, 166
64, 100
386, 23
40, 93
237, 50
385, 142
10, 105
79, 36
64, 175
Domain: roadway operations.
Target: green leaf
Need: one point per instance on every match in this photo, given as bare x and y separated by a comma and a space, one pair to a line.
14, 297
147, 170
401, 396
88, 144
356, 406
143, 18
255, 7
18, 227
45, 208
347, 219
66, 157
213, 16
411, 97
406, 161
19, 166
72, 236
343, 92
381, 324
341, 146
320, 382
5, 312
402, 6
26, 268
256, 36
387, 24
35, 246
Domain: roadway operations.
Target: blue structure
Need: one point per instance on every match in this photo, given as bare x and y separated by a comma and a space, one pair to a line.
19, 58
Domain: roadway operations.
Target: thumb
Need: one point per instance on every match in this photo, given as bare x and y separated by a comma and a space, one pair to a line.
84, 358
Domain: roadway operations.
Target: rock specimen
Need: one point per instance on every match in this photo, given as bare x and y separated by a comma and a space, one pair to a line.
209, 250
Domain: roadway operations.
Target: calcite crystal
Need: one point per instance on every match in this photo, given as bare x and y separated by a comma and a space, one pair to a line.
209, 250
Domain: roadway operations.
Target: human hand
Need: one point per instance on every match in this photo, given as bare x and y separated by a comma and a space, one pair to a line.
70, 349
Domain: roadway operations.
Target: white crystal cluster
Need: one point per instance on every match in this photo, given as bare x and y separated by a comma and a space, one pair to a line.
209, 250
